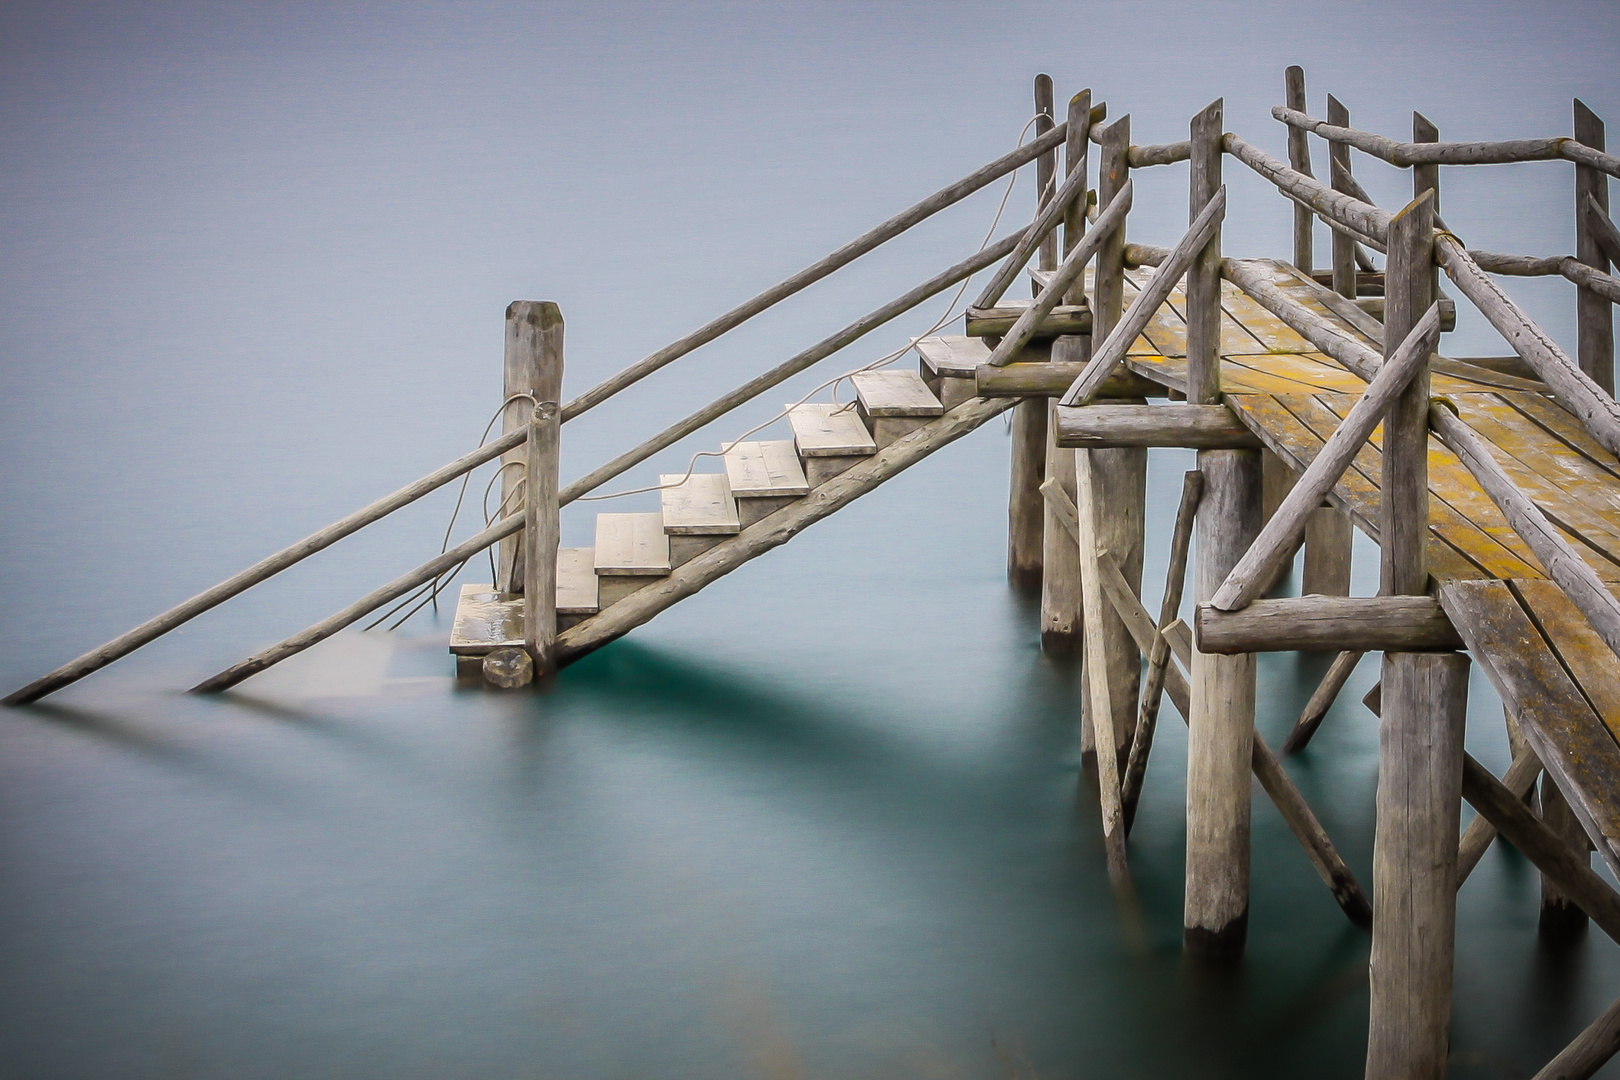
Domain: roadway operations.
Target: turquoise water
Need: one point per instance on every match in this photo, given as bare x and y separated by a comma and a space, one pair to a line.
823, 820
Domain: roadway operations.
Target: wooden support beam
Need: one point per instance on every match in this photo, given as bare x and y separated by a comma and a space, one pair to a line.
1420, 781
1275, 545
1425, 176
1594, 313
1541, 845
1476, 839
1326, 624
1329, 541
1203, 427
1296, 812
1113, 178
1099, 685
1562, 920
540, 535
1158, 648
1025, 513
1590, 1051
1054, 379
1220, 740
1299, 158
1321, 700
1046, 164
1119, 491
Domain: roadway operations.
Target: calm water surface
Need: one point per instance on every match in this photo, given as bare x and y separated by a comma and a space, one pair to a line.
824, 820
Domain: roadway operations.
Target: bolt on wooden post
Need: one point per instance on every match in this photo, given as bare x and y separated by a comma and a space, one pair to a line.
1424, 698
1215, 916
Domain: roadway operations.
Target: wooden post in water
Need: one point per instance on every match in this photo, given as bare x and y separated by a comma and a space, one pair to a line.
1562, 920
1061, 601
1119, 478
540, 536
1221, 727
1299, 158
1026, 509
1593, 312
532, 374
1424, 700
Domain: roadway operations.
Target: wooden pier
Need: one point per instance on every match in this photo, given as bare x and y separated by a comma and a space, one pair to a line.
1319, 401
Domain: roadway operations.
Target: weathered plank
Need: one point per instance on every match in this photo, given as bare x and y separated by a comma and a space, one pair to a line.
894, 393
1584, 655
486, 620
1557, 422
576, 581
763, 469
826, 429
631, 545
1554, 716
698, 505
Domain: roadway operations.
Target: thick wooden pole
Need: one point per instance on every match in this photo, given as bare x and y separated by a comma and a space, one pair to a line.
1562, 920
1594, 313
1426, 177
532, 373
1099, 682
1216, 912
540, 536
1344, 247
1590, 1051
1061, 620
1215, 917
1026, 510
1409, 283
1119, 481
1420, 761
1113, 171
1299, 156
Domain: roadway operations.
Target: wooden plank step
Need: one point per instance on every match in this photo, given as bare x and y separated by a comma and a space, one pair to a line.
701, 505
766, 469
894, 393
576, 581
824, 429
996, 321
486, 620
631, 545
951, 356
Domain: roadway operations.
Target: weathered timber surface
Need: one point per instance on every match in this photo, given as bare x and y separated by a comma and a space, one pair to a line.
1476, 839
1204, 427
1326, 624
1590, 1051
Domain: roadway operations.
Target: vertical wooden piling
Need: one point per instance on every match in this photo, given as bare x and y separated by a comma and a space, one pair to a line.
1593, 312
1061, 620
1420, 753
1562, 920
540, 536
1344, 248
1423, 702
1113, 170
1329, 535
1299, 158
532, 373
1026, 510
1221, 727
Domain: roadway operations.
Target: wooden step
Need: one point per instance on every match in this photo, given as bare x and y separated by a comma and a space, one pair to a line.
830, 439
577, 585
948, 362
764, 476
893, 403
996, 321
698, 514
486, 620
630, 549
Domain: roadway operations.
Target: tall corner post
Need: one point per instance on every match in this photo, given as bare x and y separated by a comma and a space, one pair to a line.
1299, 159
1221, 728
1329, 535
540, 535
1593, 313
1026, 509
532, 375
1424, 701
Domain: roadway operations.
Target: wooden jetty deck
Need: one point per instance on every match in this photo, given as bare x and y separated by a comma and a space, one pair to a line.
1319, 401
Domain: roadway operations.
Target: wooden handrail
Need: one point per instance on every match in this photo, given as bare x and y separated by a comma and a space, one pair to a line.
1566, 266
813, 273
1403, 154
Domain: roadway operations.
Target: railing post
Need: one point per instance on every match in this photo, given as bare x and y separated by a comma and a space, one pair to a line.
1426, 177
1420, 749
1593, 313
1221, 727
532, 374
1299, 158
540, 536
1344, 248
1026, 510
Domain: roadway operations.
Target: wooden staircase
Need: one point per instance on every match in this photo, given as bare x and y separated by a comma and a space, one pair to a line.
704, 510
